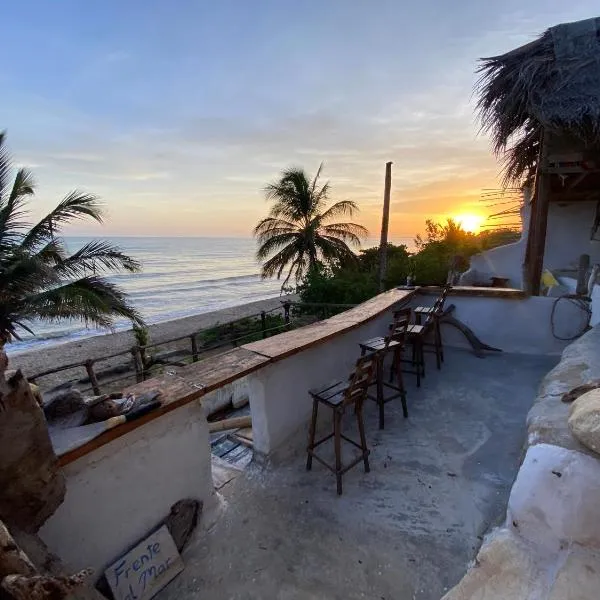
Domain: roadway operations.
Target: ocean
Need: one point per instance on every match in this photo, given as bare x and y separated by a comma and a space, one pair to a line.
180, 277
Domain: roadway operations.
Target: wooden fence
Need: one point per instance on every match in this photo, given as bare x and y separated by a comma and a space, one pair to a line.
141, 370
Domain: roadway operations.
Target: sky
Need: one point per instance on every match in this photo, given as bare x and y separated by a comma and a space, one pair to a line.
177, 114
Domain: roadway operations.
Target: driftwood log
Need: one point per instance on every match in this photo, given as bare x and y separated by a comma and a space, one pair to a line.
478, 346
573, 394
233, 423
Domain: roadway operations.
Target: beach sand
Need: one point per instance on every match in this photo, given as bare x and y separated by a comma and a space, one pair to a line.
35, 361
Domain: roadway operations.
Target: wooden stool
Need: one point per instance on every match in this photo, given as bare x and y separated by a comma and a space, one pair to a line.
380, 347
432, 316
338, 396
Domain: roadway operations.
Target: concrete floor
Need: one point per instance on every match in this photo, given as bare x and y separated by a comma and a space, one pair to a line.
406, 530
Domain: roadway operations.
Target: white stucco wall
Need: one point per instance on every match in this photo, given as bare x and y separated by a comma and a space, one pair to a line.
503, 261
118, 492
513, 325
279, 399
568, 235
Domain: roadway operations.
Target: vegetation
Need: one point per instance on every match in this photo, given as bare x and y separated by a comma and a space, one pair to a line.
444, 246
39, 279
300, 233
244, 330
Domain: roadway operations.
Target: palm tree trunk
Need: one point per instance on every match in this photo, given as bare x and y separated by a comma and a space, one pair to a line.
32, 486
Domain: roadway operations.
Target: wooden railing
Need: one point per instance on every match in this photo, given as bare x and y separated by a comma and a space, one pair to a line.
141, 370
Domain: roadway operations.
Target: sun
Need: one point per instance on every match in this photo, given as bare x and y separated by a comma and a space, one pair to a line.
470, 222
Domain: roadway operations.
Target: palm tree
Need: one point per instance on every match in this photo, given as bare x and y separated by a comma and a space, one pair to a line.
299, 232
39, 279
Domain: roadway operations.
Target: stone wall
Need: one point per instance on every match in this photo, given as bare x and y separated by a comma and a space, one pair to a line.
549, 546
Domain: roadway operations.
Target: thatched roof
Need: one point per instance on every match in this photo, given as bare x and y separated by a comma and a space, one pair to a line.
551, 83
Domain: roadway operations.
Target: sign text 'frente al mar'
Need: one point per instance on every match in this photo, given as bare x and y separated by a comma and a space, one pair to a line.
145, 569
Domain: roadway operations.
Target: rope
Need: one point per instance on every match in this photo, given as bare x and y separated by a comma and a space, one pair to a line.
582, 302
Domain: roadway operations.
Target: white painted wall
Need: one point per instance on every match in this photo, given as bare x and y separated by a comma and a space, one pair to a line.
279, 400
118, 492
568, 235
513, 325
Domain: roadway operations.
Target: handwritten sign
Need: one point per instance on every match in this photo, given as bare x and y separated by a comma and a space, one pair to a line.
145, 569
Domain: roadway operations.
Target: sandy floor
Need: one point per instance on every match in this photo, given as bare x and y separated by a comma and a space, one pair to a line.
36, 361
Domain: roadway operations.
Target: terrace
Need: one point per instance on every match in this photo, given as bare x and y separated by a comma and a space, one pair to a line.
439, 480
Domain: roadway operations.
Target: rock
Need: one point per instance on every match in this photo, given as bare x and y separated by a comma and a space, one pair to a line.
12, 558
32, 483
579, 576
505, 569
547, 423
555, 498
43, 587
584, 419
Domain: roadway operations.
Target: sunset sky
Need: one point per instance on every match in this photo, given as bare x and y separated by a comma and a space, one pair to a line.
177, 113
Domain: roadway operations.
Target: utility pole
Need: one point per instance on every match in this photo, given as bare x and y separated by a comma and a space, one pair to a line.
385, 220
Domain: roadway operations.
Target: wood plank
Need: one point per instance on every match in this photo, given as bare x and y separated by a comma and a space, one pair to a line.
291, 342
482, 292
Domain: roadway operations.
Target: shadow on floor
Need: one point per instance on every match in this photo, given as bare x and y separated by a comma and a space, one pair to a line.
439, 480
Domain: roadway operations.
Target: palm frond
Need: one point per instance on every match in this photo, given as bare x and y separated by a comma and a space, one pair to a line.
272, 224
77, 205
274, 243
11, 208
342, 208
92, 300
348, 232
276, 264
96, 257
333, 250
4, 166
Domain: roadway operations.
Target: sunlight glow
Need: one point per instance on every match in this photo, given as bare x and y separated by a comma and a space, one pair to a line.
470, 222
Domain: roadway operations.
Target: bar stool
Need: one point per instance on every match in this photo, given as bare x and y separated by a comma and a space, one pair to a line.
380, 347
338, 396
435, 312
417, 334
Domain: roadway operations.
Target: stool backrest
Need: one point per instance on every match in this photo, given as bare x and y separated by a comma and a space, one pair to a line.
438, 305
360, 379
400, 324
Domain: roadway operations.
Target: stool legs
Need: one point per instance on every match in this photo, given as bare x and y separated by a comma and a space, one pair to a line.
338, 469
397, 361
363, 437
311, 435
337, 437
439, 337
437, 341
380, 399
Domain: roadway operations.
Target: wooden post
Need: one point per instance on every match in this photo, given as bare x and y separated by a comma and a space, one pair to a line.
194, 348
582, 275
263, 323
539, 221
385, 220
138, 364
89, 367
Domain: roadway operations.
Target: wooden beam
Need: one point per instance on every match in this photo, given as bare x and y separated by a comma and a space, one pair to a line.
385, 219
539, 217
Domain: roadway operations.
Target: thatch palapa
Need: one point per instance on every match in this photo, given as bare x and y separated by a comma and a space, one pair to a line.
551, 84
